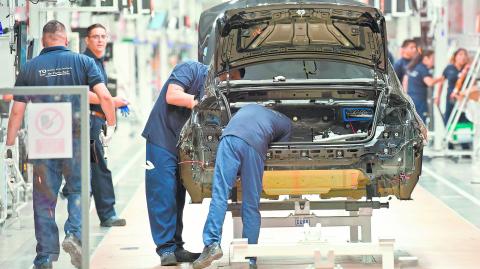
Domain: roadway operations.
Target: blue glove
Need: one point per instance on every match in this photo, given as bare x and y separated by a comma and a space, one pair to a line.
125, 110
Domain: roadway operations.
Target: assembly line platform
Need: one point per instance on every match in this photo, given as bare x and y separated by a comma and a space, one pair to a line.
425, 228
439, 229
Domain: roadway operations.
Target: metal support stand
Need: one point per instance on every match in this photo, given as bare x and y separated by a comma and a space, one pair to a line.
3, 175
360, 213
323, 253
15, 192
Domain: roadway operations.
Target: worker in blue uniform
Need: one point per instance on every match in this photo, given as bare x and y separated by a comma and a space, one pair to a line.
57, 66
419, 79
458, 64
390, 57
242, 150
165, 194
408, 51
101, 177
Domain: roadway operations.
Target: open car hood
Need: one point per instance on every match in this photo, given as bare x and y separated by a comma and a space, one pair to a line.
352, 33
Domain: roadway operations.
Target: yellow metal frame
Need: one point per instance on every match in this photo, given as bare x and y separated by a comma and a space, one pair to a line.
298, 182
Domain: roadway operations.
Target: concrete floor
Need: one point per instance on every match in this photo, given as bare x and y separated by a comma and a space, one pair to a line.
17, 239
441, 226
425, 228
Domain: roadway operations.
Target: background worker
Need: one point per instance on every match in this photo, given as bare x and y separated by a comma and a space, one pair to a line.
408, 51
419, 79
242, 149
165, 194
458, 64
47, 173
101, 177
390, 57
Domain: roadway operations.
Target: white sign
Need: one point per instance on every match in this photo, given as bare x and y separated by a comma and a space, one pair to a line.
49, 130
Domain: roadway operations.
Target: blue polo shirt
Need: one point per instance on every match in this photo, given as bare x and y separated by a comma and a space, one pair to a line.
416, 86
400, 67
99, 64
58, 66
451, 74
166, 121
259, 126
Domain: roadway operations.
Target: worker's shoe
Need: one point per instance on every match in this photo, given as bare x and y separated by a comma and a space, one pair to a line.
252, 263
113, 221
73, 246
183, 255
210, 253
168, 259
47, 265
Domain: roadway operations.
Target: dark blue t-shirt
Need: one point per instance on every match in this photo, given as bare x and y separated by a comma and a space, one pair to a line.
416, 86
259, 126
166, 121
58, 66
451, 74
400, 68
99, 63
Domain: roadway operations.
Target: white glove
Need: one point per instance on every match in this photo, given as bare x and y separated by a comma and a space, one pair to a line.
105, 138
10, 154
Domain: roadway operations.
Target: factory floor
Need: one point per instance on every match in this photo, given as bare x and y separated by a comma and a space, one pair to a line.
440, 227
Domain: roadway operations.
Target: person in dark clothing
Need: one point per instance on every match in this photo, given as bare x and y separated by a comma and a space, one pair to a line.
58, 66
101, 177
243, 148
408, 52
391, 58
419, 78
458, 63
165, 194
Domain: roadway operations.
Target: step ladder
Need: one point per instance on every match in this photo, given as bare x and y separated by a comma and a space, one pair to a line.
460, 106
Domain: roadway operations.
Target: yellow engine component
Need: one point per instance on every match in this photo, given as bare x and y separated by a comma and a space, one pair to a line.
298, 182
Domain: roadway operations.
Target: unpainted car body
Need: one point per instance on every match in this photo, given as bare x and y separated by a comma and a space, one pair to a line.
324, 65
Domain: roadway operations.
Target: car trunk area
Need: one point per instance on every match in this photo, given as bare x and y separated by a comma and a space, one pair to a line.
318, 116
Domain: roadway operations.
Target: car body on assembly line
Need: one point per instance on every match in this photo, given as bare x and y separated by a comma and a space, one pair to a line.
324, 65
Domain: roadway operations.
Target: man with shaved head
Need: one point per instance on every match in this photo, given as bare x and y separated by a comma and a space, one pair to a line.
58, 66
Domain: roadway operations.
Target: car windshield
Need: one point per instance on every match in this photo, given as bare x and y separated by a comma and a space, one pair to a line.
307, 69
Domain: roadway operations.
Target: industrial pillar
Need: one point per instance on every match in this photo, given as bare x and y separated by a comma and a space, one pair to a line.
441, 47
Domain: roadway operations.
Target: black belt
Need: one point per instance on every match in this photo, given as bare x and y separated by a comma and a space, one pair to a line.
98, 114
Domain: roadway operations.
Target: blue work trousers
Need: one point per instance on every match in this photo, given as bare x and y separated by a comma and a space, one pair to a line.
165, 199
47, 179
448, 110
421, 106
235, 155
102, 186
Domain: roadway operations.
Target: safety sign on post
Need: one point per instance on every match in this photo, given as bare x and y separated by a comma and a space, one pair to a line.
49, 130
